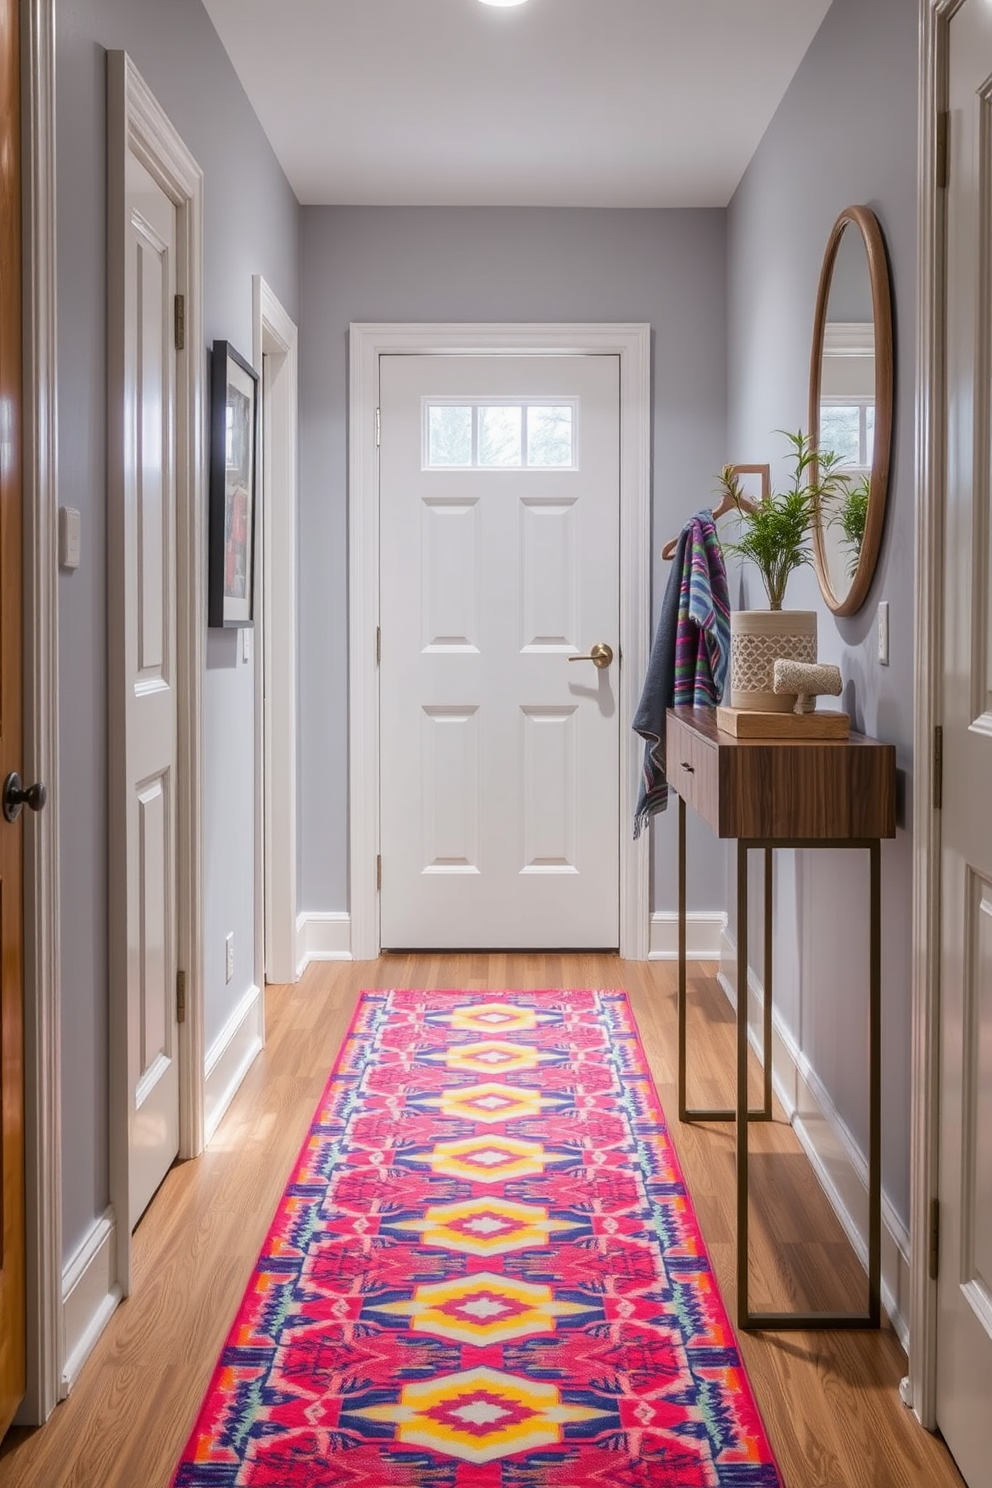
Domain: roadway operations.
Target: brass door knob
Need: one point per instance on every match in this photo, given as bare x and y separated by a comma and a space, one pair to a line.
600, 655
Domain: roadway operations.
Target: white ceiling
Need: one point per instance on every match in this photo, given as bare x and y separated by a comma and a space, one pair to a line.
610, 103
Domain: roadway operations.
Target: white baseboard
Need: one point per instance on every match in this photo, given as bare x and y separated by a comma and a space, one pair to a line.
704, 933
322, 937
90, 1295
836, 1158
230, 1058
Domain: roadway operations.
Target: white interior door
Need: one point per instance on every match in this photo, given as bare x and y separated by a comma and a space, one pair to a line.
499, 562
150, 669
964, 1336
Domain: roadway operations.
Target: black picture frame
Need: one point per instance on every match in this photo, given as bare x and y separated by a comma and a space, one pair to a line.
233, 484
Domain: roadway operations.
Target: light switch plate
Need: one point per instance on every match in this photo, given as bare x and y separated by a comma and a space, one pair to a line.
228, 956
883, 633
245, 643
70, 535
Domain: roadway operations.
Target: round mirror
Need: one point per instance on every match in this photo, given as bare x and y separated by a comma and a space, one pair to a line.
850, 404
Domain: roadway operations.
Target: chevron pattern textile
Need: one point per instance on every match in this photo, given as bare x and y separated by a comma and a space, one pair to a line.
485, 1272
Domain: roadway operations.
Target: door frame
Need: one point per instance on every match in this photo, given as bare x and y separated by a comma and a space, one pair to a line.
275, 338
920, 1389
42, 1052
137, 124
630, 342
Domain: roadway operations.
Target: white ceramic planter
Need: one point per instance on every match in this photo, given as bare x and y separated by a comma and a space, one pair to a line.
759, 638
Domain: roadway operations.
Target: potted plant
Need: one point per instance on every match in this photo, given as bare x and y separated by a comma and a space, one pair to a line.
776, 535
851, 517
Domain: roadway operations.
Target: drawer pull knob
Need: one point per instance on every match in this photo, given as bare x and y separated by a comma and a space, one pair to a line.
686, 766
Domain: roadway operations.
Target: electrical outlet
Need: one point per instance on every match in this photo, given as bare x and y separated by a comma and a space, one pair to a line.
883, 633
229, 956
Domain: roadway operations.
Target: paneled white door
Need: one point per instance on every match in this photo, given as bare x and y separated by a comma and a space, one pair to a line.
499, 567
964, 1331
150, 666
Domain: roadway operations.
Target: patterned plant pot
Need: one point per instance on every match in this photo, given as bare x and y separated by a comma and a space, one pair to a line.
759, 638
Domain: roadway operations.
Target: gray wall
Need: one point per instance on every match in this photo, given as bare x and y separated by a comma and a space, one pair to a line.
251, 225
844, 134
490, 264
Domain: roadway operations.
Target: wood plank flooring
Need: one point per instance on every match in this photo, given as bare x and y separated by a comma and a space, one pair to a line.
830, 1400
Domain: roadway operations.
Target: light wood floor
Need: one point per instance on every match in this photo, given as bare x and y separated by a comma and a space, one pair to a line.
830, 1400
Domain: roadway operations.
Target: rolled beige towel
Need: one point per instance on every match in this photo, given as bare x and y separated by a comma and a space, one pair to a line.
809, 680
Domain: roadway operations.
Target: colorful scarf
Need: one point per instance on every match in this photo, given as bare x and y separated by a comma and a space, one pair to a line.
702, 644
688, 661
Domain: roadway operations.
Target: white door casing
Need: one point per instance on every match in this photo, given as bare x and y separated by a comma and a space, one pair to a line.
964, 1317
275, 357
499, 755
43, 1192
368, 343
156, 645
918, 1389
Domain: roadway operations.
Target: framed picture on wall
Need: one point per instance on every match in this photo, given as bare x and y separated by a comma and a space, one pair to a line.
233, 461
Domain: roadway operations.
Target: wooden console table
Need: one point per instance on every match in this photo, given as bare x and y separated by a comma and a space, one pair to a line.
783, 793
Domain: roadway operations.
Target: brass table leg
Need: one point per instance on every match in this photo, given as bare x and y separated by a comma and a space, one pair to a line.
767, 1006
781, 1321
721, 1113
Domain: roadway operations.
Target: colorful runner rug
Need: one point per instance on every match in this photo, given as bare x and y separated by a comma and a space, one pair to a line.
485, 1273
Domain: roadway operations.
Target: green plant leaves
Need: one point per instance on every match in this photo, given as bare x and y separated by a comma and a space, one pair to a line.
777, 534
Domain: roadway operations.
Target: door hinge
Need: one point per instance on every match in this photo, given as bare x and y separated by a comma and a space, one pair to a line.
180, 309
943, 164
938, 768
934, 1245
378, 645
378, 871
378, 428
180, 997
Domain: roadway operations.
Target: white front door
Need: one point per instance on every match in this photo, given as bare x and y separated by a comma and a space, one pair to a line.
150, 730
499, 561
964, 1330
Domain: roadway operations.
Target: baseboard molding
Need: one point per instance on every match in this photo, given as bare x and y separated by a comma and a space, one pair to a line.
834, 1155
322, 937
704, 933
90, 1295
230, 1058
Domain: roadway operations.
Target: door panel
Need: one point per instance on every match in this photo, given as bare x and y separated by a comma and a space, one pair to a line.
548, 589
151, 705
153, 275
964, 1332
12, 1293
451, 801
550, 800
499, 758
452, 562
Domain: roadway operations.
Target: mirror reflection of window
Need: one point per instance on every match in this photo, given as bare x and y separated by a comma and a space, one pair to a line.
847, 391
847, 427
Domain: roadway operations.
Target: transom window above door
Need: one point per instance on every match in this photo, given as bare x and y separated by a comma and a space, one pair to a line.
500, 434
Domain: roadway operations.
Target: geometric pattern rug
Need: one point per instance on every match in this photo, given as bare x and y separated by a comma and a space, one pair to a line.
485, 1272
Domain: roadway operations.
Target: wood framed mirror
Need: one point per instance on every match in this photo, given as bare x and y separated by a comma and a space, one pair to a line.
850, 403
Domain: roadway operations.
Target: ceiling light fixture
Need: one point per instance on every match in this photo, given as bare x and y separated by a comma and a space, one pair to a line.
503, 2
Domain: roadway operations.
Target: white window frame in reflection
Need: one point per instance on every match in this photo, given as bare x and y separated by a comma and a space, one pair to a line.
863, 464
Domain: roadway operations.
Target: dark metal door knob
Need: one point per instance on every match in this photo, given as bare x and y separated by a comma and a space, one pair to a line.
16, 795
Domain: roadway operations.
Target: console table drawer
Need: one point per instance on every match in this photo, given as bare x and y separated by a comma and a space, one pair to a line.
777, 790
693, 770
